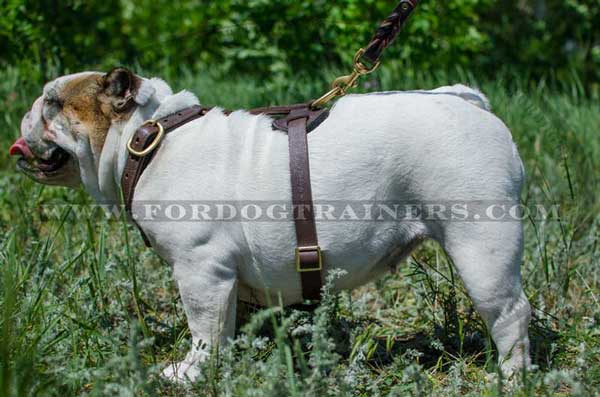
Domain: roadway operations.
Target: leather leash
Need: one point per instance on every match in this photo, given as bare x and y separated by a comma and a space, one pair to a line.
297, 120
384, 36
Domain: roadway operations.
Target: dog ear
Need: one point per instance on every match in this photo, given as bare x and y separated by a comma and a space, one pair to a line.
119, 82
120, 85
125, 89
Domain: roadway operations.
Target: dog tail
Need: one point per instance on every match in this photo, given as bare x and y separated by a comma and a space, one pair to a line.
471, 95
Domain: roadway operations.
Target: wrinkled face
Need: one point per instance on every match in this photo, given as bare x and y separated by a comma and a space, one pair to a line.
70, 121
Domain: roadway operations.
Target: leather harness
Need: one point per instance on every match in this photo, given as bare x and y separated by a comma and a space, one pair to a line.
297, 120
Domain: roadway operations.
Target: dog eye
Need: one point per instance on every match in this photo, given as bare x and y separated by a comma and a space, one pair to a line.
53, 102
52, 106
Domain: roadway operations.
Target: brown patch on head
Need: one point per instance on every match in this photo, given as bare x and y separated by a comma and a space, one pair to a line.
83, 108
95, 101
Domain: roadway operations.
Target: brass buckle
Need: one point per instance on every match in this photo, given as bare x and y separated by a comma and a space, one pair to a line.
318, 268
153, 145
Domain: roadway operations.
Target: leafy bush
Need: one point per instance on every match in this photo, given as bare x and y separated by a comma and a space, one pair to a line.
545, 37
281, 37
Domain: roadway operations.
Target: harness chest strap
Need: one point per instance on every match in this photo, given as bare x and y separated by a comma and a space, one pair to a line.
298, 121
309, 260
142, 139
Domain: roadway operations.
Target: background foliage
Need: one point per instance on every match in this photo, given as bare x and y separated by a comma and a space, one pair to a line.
86, 310
541, 38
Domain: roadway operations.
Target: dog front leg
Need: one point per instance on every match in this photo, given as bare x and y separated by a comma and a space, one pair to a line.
209, 296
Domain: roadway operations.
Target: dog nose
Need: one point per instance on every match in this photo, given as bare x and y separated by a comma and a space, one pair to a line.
20, 148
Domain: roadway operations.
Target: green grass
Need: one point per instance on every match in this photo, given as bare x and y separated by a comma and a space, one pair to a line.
84, 313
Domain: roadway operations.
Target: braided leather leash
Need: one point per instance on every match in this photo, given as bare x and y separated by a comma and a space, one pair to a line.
297, 120
385, 35
388, 30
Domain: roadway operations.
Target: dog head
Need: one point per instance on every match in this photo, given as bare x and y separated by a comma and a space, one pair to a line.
68, 125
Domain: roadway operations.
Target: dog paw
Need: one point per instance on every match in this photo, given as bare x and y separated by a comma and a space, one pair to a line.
182, 372
187, 370
516, 365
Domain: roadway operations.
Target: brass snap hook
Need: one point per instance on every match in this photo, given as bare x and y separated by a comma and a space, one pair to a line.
342, 84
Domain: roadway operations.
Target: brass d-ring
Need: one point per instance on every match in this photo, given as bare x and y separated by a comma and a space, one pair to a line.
153, 145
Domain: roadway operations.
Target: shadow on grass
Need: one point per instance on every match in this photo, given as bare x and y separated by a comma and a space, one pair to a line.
440, 349
544, 344
436, 349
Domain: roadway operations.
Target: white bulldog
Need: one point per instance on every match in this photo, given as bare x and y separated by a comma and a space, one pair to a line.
420, 148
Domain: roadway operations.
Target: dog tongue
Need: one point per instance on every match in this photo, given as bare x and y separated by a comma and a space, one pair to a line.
20, 148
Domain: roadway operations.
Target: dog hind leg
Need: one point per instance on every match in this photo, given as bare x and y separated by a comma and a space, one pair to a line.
487, 256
